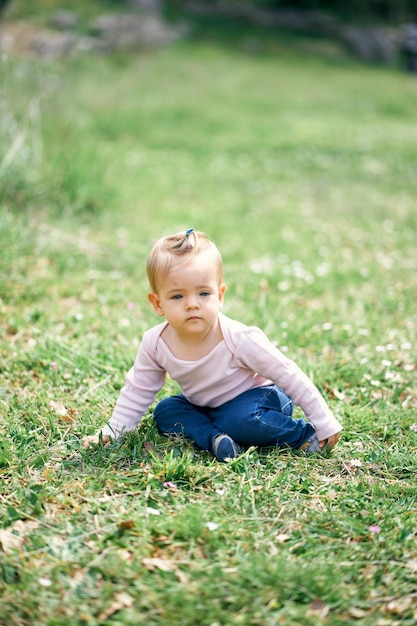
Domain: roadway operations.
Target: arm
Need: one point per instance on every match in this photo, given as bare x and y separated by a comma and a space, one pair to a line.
259, 354
143, 382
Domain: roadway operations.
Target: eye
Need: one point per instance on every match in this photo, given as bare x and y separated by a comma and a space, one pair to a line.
204, 294
177, 296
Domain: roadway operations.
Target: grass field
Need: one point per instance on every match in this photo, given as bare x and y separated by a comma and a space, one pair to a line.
302, 166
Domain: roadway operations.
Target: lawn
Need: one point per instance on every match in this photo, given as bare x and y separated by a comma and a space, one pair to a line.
301, 164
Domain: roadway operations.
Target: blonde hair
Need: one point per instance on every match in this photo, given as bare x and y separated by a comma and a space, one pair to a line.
181, 246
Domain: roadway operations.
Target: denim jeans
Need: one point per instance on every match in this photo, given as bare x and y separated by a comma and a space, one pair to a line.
258, 417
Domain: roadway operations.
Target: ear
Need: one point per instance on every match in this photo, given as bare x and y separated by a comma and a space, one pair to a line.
222, 290
156, 303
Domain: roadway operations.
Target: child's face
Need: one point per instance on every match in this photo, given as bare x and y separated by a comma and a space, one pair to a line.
190, 296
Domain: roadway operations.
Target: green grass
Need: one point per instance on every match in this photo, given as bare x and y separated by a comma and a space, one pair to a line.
303, 169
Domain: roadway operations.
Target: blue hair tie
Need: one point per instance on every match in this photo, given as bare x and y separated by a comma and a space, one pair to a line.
189, 231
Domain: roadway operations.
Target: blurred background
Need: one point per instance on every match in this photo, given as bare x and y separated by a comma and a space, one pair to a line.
285, 130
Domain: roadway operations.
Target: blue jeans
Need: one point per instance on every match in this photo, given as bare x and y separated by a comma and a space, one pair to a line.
258, 417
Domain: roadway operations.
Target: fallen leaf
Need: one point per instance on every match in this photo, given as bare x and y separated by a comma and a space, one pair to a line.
25, 526
58, 408
121, 601
127, 524
70, 416
338, 394
77, 576
10, 541
398, 605
411, 565
273, 550
165, 565
333, 392
182, 577
124, 555
14, 537
318, 608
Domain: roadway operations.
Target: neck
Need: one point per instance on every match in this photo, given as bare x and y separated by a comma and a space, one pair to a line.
192, 347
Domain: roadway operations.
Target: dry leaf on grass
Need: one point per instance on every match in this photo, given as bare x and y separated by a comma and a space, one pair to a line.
14, 537
126, 524
10, 541
318, 608
121, 601
411, 565
67, 415
333, 392
125, 555
58, 408
397, 606
166, 565
25, 527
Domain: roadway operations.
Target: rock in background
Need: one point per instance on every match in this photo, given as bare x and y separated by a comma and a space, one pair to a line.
143, 27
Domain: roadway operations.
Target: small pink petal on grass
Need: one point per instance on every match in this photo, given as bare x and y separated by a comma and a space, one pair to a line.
413, 427
374, 529
53, 365
170, 485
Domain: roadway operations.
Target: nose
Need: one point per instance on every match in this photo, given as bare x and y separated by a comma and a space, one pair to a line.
192, 303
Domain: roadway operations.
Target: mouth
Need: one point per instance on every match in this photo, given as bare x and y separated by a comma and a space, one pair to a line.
193, 318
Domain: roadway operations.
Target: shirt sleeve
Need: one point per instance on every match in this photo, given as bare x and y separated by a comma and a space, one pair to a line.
143, 381
255, 351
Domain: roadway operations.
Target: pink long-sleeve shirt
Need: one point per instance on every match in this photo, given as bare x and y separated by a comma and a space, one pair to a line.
243, 360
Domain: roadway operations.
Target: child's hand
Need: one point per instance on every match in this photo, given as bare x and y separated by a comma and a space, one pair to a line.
95, 440
330, 442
